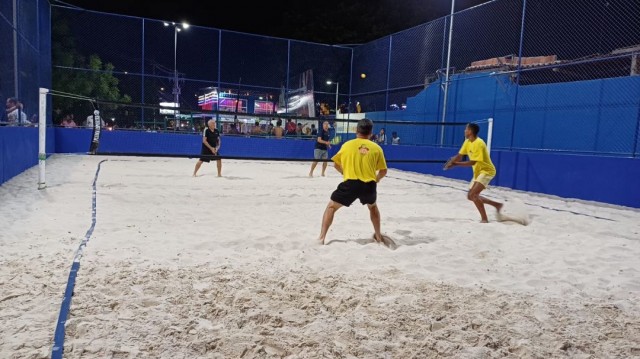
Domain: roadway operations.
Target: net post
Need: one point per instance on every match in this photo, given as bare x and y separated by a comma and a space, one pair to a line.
489, 134
42, 137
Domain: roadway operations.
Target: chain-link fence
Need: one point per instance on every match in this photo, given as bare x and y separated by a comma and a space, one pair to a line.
554, 75
143, 61
25, 59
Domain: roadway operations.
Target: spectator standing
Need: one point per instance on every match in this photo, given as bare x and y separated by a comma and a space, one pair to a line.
395, 140
290, 128
68, 121
382, 137
321, 148
15, 115
278, 131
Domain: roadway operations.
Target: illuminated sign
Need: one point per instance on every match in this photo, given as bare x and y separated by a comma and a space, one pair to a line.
208, 101
263, 107
168, 112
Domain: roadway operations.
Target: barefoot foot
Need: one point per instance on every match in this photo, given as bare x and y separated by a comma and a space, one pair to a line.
378, 238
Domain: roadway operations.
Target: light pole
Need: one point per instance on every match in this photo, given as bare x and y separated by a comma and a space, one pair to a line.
337, 88
176, 86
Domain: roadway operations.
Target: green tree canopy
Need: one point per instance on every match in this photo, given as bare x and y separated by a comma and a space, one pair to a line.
79, 75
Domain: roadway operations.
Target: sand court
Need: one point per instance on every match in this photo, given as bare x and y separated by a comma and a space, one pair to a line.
207, 267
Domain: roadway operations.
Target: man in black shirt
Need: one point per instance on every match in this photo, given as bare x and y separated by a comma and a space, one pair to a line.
210, 146
321, 149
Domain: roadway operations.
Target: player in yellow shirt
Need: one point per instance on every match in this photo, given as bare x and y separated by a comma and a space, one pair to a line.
362, 165
483, 169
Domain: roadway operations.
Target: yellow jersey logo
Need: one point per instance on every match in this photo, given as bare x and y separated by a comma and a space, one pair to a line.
363, 149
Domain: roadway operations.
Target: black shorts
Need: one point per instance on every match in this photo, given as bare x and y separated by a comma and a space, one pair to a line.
206, 152
350, 190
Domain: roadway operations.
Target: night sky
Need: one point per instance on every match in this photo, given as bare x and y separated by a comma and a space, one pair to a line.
326, 21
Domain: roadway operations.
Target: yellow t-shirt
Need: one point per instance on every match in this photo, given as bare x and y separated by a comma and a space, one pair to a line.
360, 159
477, 151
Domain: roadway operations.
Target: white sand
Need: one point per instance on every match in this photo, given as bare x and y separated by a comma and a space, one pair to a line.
206, 267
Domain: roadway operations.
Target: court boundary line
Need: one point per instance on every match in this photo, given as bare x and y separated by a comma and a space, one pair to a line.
526, 203
65, 306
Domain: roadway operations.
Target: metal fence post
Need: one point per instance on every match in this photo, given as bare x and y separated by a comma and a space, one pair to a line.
386, 101
518, 70
446, 80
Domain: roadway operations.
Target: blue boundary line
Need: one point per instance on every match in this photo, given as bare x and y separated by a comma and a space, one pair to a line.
58, 337
528, 204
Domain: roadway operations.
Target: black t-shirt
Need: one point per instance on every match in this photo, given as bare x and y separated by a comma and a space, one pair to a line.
212, 137
325, 137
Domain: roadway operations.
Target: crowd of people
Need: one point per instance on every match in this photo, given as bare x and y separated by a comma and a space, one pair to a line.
67, 119
271, 128
381, 138
290, 129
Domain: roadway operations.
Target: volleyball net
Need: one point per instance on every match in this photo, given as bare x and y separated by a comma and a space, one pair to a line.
98, 127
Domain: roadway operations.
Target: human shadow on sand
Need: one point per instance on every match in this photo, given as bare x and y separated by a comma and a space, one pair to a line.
387, 241
391, 243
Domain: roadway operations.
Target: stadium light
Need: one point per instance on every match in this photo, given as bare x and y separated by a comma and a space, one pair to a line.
176, 86
329, 82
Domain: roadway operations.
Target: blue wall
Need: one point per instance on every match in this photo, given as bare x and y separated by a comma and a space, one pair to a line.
19, 150
598, 116
571, 176
595, 178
